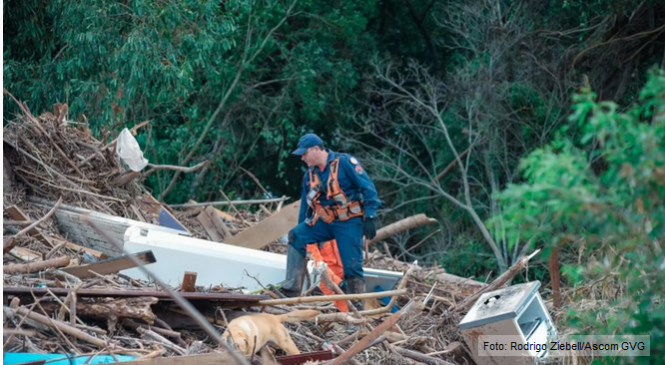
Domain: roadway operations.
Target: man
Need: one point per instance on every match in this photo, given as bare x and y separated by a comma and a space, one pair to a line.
339, 203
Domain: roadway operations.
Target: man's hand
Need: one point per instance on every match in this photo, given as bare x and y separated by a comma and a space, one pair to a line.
370, 229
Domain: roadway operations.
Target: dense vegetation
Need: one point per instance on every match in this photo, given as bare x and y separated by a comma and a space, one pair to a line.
517, 124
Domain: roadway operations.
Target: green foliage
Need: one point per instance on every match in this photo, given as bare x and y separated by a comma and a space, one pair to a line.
606, 190
174, 63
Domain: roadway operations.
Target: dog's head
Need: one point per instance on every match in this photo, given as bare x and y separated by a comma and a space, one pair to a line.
237, 340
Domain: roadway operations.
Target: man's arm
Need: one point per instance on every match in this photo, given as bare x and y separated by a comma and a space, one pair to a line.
359, 176
303, 200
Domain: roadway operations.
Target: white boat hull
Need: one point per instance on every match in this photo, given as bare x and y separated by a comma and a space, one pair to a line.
221, 264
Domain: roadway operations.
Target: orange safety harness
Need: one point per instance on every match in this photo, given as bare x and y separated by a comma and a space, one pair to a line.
343, 209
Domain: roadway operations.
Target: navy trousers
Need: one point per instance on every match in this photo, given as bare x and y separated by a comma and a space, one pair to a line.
349, 237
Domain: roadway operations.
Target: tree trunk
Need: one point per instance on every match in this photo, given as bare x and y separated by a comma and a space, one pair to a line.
400, 226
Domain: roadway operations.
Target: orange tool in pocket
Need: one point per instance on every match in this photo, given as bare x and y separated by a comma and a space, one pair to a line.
328, 253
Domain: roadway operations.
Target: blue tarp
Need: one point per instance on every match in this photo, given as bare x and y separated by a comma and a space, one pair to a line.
61, 359
386, 300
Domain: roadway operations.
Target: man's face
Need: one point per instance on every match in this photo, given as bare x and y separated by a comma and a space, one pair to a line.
311, 157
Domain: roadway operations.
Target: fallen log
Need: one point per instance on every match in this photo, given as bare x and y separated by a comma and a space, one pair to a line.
402, 225
35, 266
112, 310
496, 284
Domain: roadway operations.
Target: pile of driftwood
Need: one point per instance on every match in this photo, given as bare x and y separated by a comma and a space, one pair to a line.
114, 314
55, 304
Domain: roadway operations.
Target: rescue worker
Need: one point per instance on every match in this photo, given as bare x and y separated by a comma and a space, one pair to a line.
338, 204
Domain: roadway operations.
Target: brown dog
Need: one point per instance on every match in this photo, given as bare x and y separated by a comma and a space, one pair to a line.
254, 331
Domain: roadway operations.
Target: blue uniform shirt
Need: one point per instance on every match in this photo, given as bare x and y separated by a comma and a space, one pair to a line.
353, 181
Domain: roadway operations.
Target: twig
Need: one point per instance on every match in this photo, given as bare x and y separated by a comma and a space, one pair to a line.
161, 331
258, 183
410, 308
54, 250
419, 243
12, 241
39, 127
55, 325
422, 357
497, 283
18, 326
65, 275
228, 202
160, 339
17, 223
155, 168
61, 313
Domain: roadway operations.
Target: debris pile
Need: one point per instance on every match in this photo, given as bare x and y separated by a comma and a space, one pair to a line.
68, 298
53, 156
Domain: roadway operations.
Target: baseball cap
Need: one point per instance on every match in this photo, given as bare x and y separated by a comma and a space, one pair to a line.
306, 142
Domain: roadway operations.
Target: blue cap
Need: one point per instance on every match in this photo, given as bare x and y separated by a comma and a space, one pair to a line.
306, 142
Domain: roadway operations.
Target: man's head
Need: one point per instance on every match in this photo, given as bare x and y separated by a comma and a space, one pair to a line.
311, 151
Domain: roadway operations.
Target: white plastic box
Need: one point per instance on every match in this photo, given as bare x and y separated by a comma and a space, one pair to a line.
513, 315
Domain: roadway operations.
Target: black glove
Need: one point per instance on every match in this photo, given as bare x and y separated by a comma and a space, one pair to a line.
370, 229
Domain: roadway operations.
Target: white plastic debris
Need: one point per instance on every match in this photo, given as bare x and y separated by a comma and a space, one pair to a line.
130, 152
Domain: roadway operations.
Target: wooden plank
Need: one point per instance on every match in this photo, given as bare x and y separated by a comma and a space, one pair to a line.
224, 215
213, 224
189, 281
111, 266
17, 214
209, 227
269, 229
220, 213
98, 254
138, 213
218, 222
25, 254
159, 214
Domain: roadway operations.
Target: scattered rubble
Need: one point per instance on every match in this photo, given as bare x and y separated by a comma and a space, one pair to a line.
79, 306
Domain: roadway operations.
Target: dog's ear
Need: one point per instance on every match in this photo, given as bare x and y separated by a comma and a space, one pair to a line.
229, 342
243, 343
239, 341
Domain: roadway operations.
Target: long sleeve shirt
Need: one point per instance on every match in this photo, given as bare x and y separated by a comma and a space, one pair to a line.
353, 181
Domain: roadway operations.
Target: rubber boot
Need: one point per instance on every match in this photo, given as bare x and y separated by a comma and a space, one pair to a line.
295, 273
356, 285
